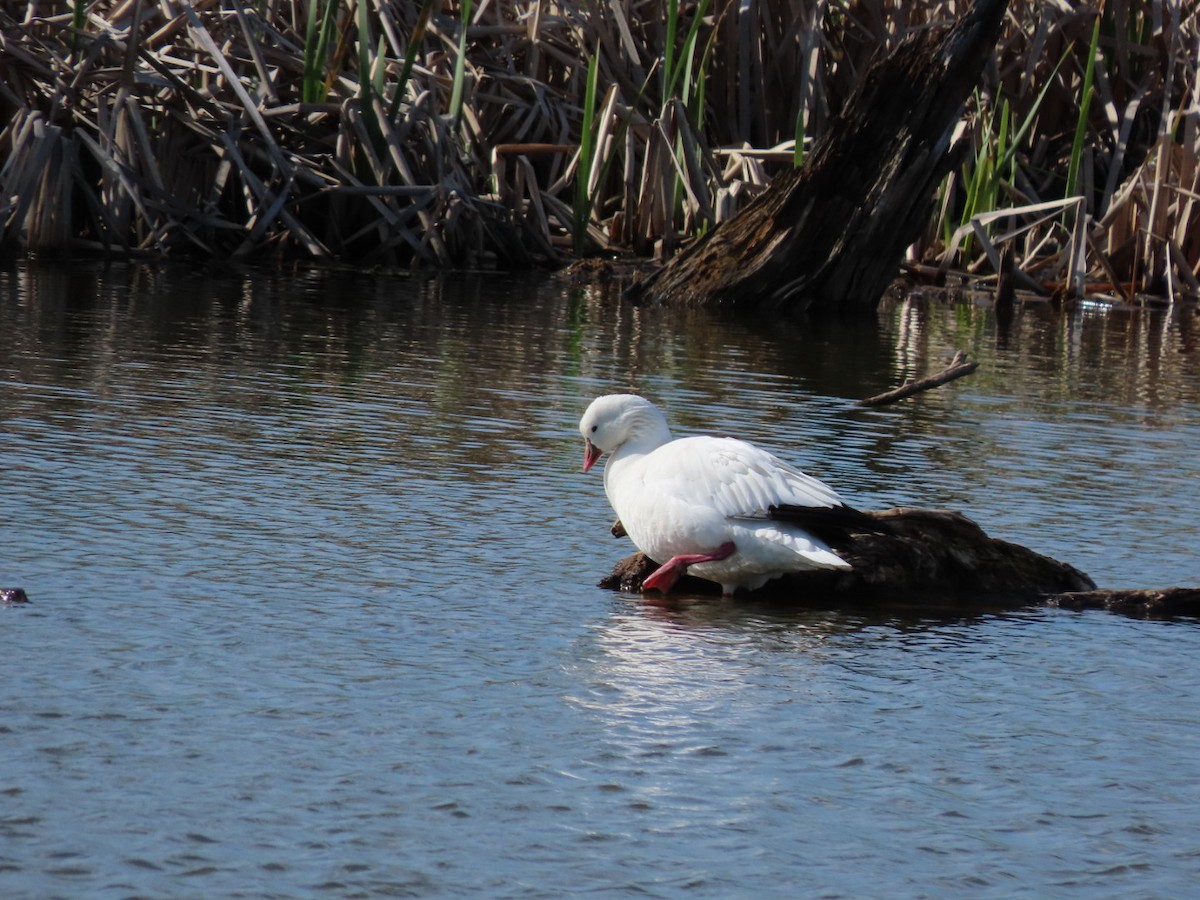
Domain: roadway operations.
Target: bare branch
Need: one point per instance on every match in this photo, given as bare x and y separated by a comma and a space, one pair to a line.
957, 369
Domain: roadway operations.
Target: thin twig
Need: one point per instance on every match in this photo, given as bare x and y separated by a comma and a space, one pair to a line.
957, 369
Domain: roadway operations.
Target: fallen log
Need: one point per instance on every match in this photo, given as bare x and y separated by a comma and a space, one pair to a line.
935, 561
831, 235
1161, 603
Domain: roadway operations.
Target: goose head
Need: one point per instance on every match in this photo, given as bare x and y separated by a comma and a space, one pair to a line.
616, 421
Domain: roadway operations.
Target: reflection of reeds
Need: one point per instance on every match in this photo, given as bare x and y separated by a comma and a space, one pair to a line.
453, 132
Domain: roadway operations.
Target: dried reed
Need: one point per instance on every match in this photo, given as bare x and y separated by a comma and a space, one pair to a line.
460, 133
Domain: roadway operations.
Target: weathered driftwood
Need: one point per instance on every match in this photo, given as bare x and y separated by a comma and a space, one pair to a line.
831, 235
957, 369
936, 560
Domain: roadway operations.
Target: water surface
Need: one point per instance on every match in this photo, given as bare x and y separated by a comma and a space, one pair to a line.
312, 567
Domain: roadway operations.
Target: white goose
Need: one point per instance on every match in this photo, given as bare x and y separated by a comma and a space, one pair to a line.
719, 508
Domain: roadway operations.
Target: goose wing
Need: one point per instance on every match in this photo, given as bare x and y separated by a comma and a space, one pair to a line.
734, 478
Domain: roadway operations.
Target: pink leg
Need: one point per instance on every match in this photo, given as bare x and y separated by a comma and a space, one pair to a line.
667, 574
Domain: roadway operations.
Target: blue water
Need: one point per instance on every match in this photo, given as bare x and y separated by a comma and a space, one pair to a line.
312, 568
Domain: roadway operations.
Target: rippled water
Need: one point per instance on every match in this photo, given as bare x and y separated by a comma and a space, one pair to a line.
312, 570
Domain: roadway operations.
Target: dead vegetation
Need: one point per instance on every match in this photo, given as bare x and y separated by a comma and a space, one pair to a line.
442, 133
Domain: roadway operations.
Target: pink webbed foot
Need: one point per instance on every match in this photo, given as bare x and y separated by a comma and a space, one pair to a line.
662, 578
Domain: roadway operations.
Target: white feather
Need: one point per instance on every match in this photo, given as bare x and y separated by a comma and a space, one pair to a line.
693, 494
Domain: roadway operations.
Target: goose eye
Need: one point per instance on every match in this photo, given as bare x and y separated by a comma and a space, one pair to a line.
594, 427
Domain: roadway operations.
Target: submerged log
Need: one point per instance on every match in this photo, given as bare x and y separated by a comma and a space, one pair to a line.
830, 236
935, 560
1161, 603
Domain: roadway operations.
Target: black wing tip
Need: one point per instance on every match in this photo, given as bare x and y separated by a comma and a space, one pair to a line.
841, 519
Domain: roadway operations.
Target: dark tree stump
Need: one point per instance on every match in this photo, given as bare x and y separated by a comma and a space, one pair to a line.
931, 558
936, 562
831, 235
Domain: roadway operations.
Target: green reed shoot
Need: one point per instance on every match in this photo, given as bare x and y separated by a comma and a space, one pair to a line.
995, 160
681, 72
669, 73
460, 67
368, 72
364, 56
78, 17
410, 57
1087, 89
318, 33
982, 185
583, 169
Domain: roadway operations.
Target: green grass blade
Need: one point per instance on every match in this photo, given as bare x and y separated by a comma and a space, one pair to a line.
78, 17
366, 85
318, 33
1033, 111
308, 91
583, 170
364, 50
1081, 124
669, 73
981, 183
1001, 153
410, 57
682, 66
460, 67
328, 29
